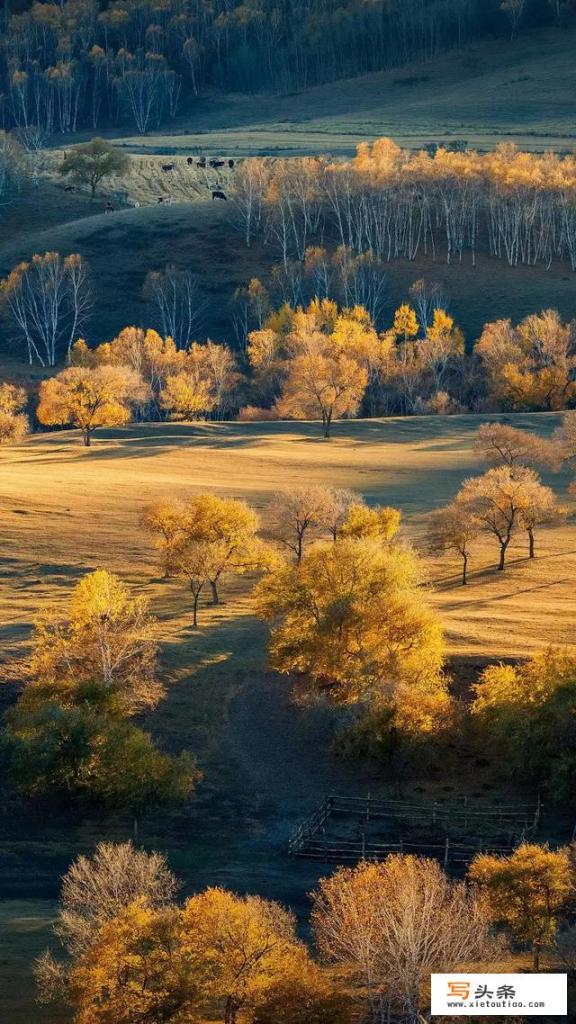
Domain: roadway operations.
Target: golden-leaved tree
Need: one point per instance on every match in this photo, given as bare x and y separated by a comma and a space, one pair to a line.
106, 642
351, 619
218, 957
389, 926
89, 398
529, 892
205, 539
13, 422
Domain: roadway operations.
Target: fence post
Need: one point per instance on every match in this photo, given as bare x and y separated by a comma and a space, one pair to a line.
368, 807
363, 845
446, 852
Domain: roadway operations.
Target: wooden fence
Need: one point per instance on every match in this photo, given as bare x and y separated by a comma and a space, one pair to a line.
453, 832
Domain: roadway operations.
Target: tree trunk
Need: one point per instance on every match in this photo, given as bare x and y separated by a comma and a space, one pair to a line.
87, 438
135, 835
464, 570
326, 424
195, 609
531, 552
230, 1012
536, 960
502, 562
215, 594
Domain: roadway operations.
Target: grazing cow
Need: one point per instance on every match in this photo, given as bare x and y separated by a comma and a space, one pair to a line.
69, 188
230, 163
108, 208
167, 167
201, 162
136, 204
216, 163
160, 199
218, 194
189, 161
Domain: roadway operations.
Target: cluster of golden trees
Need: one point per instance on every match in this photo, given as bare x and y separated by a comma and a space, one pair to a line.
13, 421
520, 207
508, 498
380, 929
91, 670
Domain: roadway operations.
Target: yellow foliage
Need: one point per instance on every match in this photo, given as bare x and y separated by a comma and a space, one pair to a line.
88, 398
528, 891
405, 322
378, 523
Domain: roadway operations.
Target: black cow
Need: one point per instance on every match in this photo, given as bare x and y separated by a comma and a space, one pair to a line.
216, 163
201, 162
230, 163
160, 199
218, 194
167, 167
69, 188
189, 161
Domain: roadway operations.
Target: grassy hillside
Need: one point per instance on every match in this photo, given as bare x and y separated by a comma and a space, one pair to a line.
121, 247
492, 91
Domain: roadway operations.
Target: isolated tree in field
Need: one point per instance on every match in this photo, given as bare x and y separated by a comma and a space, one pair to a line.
389, 926
378, 522
177, 302
206, 538
107, 643
89, 398
352, 620
91, 162
501, 499
301, 512
321, 386
502, 445
540, 509
13, 422
454, 529
528, 892
47, 302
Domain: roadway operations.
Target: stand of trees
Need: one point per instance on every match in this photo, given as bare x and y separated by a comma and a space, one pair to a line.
134, 953
393, 203
85, 63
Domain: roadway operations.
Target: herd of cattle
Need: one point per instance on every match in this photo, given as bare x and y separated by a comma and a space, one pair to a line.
216, 191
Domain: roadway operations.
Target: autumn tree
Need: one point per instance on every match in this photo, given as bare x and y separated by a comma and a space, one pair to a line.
89, 398
206, 538
352, 619
91, 162
13, 422
206, 383
321, 386
530, 366
506, 499
503, 445
528, 892
106, 644
453, 529
219, 955
97, 887
526, 713
377, 522
48, 301
389, 926
302, 512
